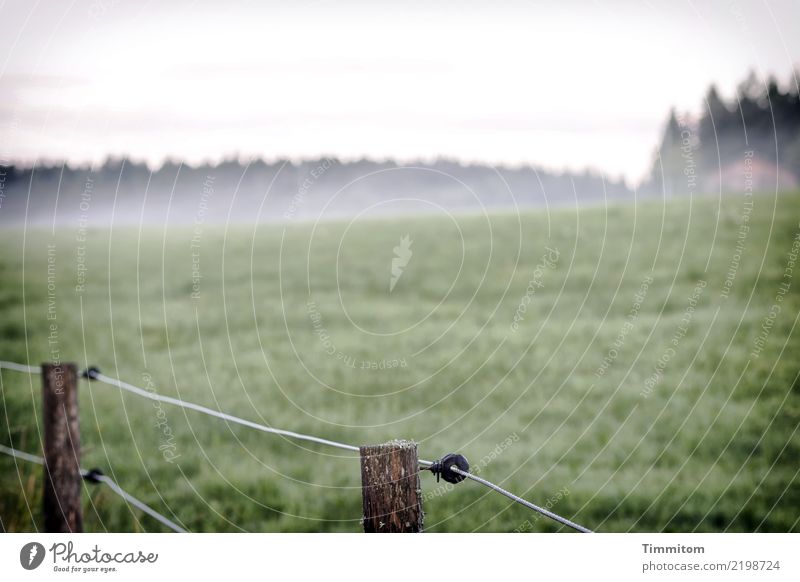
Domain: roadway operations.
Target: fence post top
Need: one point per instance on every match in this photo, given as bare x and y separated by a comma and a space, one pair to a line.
393, 444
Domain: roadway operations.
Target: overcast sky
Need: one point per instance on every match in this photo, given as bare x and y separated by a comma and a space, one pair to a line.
558, 84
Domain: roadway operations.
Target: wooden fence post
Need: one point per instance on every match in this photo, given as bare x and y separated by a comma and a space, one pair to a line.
390, 487
62, 449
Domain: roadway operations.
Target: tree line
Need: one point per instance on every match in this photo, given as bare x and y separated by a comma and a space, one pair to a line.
760, 121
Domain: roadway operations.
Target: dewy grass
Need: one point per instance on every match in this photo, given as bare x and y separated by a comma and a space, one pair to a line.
223, 321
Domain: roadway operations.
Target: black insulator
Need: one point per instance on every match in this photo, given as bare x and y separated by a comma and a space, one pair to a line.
93, 476
90, 373
442, 468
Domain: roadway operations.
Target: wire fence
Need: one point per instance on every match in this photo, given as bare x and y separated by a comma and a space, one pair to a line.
95, 476
447, 465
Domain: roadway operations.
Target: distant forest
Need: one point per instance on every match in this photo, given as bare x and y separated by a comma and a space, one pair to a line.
749, 141
121, 191
753, 136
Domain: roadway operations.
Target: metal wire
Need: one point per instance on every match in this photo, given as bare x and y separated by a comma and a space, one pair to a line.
422, 462
21, 455
20, 367
199, 408
520, 500
103, 479
94, 375
223, 415
141, 505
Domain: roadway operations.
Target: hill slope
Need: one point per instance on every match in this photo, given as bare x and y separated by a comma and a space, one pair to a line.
621, 362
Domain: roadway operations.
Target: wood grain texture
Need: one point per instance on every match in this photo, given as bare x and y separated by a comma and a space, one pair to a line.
62, 477
392, 501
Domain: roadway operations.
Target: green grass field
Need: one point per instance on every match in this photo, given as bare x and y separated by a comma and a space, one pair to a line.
627, 393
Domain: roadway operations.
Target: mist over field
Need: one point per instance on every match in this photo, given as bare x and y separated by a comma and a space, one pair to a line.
748, 141
122, 192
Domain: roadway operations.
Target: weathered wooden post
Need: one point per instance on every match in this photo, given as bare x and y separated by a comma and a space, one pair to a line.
390, 487
62, 449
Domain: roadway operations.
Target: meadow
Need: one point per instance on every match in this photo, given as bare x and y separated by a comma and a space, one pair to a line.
624, 363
